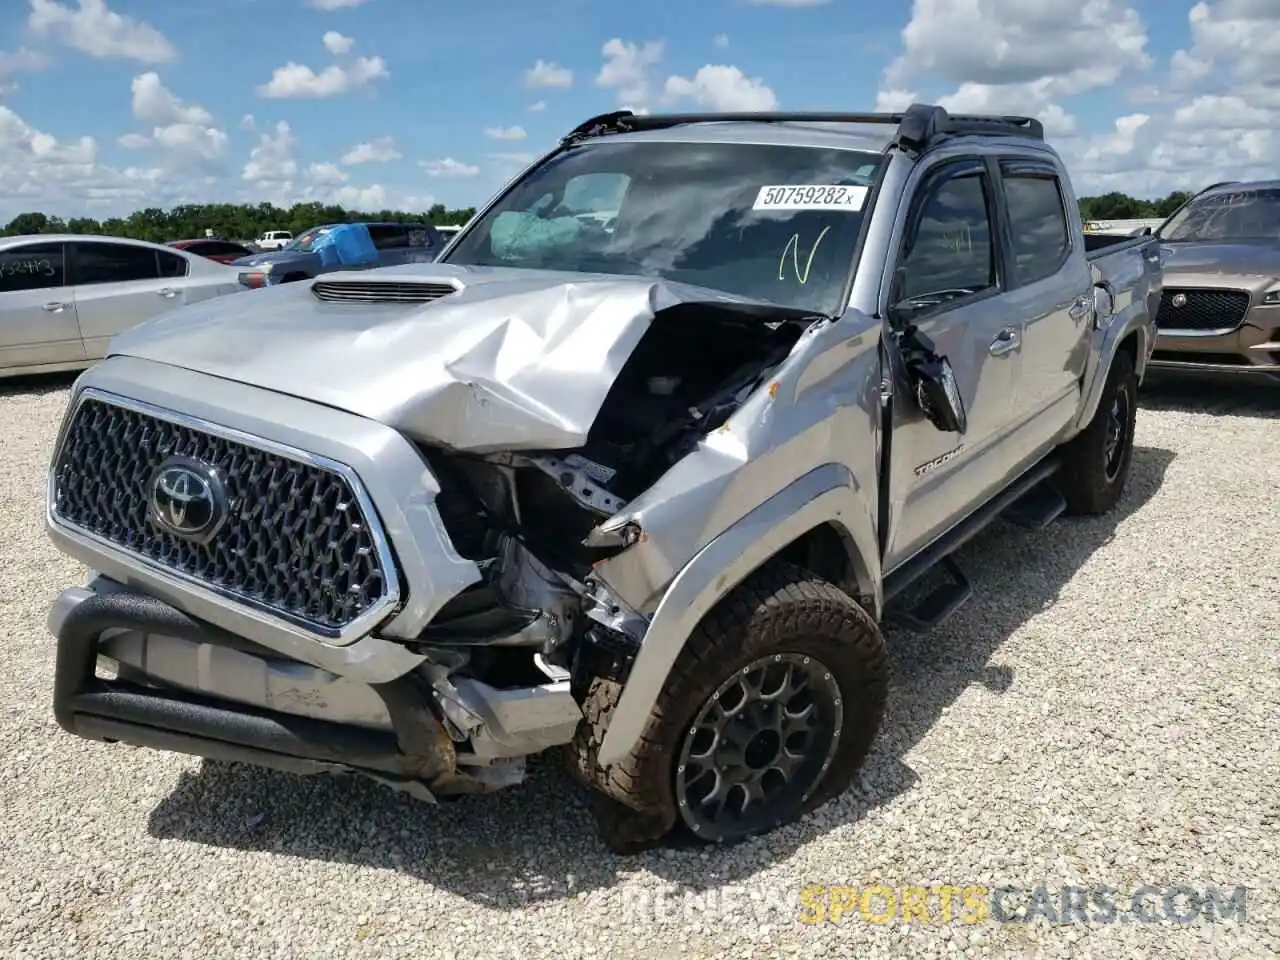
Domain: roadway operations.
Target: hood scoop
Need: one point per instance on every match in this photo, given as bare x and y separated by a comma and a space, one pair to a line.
364, 290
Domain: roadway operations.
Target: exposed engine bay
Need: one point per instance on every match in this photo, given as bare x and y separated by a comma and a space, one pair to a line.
522, 517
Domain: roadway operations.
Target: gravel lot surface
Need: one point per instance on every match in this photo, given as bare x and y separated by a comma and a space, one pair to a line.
1104, 712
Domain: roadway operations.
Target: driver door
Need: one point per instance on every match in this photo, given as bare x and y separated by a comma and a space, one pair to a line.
950, 274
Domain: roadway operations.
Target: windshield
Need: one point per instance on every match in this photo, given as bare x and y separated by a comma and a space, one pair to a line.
305, 240
1227, 216
774, 223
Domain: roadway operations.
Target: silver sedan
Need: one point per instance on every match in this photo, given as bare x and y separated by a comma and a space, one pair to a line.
62, 298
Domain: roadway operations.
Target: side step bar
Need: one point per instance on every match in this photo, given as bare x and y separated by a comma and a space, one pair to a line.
1029, 500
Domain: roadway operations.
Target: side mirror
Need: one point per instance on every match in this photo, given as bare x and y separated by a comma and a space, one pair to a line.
939, 396
934, 381
1103, 307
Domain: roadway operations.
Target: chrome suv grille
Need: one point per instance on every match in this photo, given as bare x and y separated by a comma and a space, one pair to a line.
1201, 309
374, 291
295, 539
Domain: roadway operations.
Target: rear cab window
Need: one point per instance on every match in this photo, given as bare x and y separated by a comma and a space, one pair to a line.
1040, 234
32, 266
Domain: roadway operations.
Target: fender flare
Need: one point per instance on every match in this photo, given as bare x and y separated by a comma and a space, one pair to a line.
1108, 346
826, 494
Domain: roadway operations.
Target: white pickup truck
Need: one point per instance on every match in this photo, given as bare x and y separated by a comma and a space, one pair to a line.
274, 240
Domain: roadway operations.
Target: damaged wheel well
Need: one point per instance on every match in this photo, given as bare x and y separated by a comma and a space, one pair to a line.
828, 551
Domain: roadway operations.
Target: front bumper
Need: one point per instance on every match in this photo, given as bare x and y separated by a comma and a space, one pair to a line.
416, 751
1251, 348
189, 687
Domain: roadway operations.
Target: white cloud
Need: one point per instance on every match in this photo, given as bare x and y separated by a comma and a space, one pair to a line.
334, 4
1079, 47
381, 150
18, 139
184, 129
722, 88
92, 28
192, 139
548, 74
247, 122
626, 69
629, 70
155, 103
296, 81
1214, 115
448, 167
274, 161
19, 61
336, 43
361, 198
326, 174
537, 106
720, 41
505, 133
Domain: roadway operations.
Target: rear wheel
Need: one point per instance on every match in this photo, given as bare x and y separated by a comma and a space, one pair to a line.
769, 711
1096, 462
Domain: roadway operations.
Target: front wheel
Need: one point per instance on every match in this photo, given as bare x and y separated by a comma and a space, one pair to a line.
770, 711
1096, 462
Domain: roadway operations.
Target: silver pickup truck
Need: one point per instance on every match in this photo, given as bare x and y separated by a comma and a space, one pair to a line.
638, 470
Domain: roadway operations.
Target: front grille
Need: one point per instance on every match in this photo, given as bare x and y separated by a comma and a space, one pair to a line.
1203, 309
356, 291
296, 541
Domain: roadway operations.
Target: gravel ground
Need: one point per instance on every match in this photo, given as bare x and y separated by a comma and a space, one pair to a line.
1104, 712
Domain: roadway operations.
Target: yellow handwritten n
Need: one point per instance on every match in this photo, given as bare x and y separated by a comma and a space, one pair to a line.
793, 245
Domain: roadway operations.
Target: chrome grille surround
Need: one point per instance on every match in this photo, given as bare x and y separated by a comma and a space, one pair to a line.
335, 594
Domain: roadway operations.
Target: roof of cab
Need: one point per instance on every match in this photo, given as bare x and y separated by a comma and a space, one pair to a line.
916, 129
839, 136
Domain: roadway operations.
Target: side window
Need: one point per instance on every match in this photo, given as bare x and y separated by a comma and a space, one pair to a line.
389, 236
114, 263
172, 265
33, 266
949, 252
1041, 239
420, 237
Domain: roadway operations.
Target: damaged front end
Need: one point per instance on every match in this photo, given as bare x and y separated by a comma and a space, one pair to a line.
493, 619
541, 524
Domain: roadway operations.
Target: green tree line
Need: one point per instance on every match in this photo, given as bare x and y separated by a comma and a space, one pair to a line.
1121, 206
230, 221
235, 221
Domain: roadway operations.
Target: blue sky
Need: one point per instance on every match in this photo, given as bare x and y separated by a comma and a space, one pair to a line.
440, 92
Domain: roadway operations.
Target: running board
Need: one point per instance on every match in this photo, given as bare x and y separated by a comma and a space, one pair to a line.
1037, 508
939, 604
908, 573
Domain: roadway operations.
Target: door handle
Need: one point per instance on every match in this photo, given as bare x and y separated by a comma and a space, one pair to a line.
167, 292
55, 307
1079, 308
1006, 340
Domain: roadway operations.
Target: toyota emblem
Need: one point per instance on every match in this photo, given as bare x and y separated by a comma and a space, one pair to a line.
187, 499
1179, 299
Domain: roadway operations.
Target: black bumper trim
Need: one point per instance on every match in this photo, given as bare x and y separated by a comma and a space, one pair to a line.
169, 719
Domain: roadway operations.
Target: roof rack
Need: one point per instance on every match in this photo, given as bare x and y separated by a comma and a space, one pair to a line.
919, 126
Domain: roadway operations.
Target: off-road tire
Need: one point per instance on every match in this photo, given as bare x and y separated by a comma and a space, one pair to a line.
1083, 479
781, 608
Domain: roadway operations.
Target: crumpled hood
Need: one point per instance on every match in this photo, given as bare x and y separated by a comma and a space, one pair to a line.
516, 359
1259, 259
